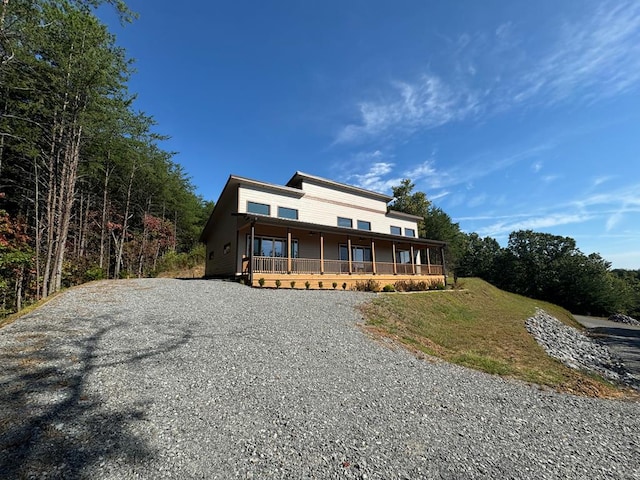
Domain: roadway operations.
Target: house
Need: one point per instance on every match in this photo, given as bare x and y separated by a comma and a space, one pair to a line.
315, 230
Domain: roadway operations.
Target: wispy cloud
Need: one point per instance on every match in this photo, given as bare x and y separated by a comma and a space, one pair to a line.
426, 103
499, 229
592, 57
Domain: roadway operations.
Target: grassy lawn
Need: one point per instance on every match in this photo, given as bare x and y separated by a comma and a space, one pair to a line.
481, 327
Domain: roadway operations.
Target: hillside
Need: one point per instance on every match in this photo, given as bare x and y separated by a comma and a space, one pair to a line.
482, 327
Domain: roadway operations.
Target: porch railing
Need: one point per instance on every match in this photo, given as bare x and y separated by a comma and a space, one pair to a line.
313, 265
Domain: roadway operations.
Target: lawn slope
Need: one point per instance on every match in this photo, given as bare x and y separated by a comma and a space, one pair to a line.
482, 327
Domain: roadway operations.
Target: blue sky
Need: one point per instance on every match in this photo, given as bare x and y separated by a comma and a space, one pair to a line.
508, 115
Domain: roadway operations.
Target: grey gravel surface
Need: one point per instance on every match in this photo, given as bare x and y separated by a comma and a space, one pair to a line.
207, 379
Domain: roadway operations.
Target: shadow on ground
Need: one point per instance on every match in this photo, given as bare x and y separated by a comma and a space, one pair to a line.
49, 421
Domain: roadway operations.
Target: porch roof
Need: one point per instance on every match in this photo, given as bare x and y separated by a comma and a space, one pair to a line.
314, 227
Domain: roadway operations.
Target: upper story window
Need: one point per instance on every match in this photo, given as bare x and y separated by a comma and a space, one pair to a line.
284, 212
345, 222
364, 225
259, 208
396, 230
409, 232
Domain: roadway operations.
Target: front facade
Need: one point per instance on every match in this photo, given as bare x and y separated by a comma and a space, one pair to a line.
315, 230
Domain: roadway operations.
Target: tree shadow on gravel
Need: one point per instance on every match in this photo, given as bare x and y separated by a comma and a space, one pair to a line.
49, 421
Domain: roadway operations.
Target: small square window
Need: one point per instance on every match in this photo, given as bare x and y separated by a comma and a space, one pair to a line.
284, 212
409, 232
345, 222
364, 225
226, 249
396, 230
259, 208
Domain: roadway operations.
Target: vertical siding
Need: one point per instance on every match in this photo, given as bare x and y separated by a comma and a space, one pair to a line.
223, 233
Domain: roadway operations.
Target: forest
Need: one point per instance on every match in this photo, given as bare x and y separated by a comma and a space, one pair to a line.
86, 191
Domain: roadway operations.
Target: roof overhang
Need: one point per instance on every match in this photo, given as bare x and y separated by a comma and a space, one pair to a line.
314, 227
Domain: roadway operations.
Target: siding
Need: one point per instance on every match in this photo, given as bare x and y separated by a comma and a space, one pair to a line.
322, 205
223, 233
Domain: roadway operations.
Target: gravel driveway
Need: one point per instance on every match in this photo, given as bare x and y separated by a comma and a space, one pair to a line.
180, 379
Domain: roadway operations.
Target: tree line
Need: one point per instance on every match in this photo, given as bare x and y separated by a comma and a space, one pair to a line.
537, 265
86, 191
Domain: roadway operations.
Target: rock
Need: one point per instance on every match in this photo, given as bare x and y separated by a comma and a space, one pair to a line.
620, 318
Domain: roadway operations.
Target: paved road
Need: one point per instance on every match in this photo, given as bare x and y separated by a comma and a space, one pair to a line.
162, 378
622, 339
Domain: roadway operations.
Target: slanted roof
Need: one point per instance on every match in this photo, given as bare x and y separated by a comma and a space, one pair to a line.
299, 177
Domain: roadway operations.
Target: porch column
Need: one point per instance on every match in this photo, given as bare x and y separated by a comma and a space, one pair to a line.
349, 252
253, 236
393, 253
413, 261
288, 250
373, 256
428, 261
444, 267
321, 253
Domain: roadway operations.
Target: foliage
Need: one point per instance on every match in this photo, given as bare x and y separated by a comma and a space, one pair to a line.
320, 285
388, 288
334, 285
261, 281
369, 285
307, 285
278, 283
81, 169
292, 283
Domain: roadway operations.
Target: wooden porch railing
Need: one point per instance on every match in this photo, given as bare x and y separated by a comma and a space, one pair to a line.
312, 265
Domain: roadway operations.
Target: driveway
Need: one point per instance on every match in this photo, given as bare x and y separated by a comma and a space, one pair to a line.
622, 339
163, 378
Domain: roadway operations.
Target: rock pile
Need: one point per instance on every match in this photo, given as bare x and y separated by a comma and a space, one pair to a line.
620, 318
575, 349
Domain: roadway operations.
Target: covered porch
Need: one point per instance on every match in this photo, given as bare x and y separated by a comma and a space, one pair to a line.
286, 251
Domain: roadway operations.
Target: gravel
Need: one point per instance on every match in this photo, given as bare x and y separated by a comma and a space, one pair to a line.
577, 350
180, 379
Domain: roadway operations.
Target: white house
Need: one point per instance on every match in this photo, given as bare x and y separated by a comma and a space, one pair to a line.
316, 230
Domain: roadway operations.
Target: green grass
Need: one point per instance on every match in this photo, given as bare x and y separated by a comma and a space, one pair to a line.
481, 327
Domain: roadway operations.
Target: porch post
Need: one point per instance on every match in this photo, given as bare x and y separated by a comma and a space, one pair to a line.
413, 261
349, 252
373, 256
288, 250
444, 267
253, 236
321, 253
393, 253
428, 261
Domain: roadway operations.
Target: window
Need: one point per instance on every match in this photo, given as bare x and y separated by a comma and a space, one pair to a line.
226, 249
409, 232
345, 222
259, 208
363, 225
403, 256
284, 212
396, 230
272, 247
358, 253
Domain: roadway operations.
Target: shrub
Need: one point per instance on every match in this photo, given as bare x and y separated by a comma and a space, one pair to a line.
320, 284
344, 286
278, 283
388, 288
334, 285
293, 283
94, 273
261, 281
411, 286
307, 284
367, 286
